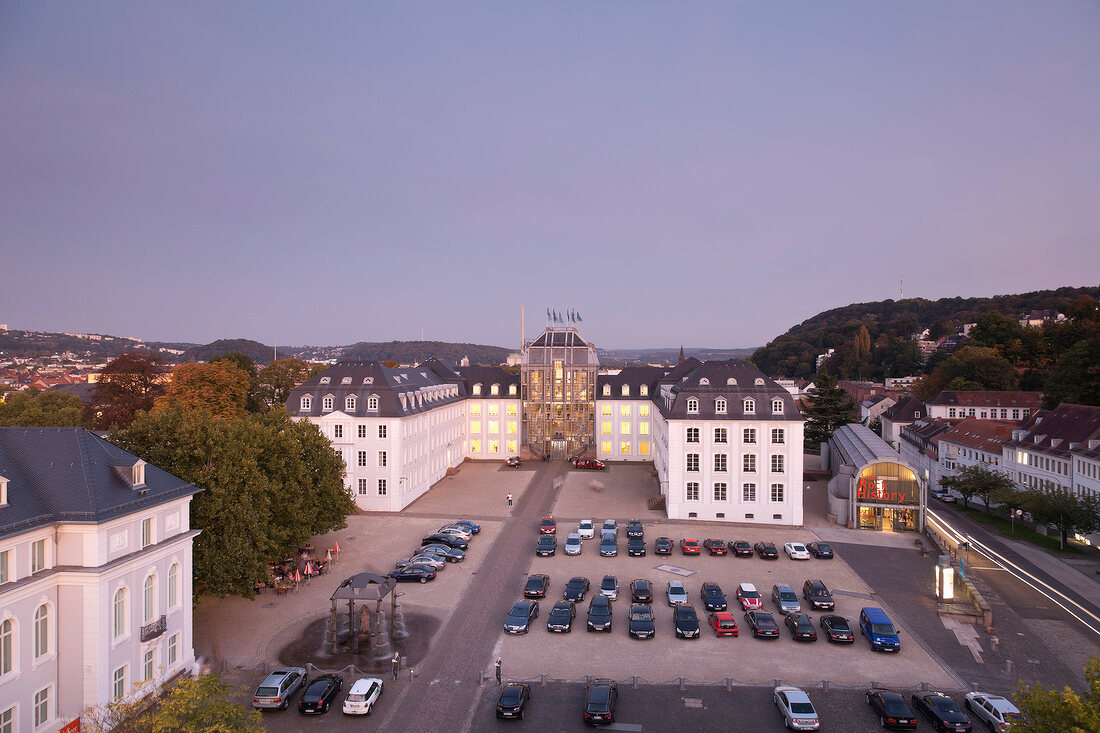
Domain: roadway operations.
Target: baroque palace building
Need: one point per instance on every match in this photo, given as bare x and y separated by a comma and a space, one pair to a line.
724, 439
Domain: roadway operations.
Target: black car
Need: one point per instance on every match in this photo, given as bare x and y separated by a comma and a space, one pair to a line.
662, 546
941, 711
520, 617
536, 586
818, 594
641, 591
801, 626
514, 462
450, 554
713, 597
561, 617
641, 622
599, 614
766, 550
821, 550
599, 702
837, 629
548, 545
513, 699
635, 547
575, 589
445, 539
319, 694
686, 621
741, 548
762, 625
414, 574
634, 529
891, 708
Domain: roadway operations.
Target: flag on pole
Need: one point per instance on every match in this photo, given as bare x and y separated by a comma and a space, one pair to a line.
548, 314
579, 319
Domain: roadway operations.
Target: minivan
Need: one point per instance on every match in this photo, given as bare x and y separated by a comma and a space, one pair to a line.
879, 630
785, 600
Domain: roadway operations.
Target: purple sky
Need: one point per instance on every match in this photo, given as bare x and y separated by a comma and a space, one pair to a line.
697, 173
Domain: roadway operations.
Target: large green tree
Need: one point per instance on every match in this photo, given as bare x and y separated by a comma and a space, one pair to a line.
279, 378
827, 408
1049, 711
1064, 510
979, 481
270, 484
1076, 377
194, 704
968, 368
254, 402
42, 409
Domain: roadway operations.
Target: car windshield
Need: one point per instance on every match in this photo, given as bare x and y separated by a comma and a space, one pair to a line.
641, 614
608, 584
946, 705
599, 696
895, 705
575, 584
802, 708
510, 696
749, 594
560, 611
883, 629
840, 624
687, 613
823, 547
714, 591
820, 592
787, 595
317, 687
572, 540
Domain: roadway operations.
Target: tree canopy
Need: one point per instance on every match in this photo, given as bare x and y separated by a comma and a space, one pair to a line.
977, 480
42, 409
828, 408
194, 704
1048, 710
220, 388
279, 378
969, 368
130, 383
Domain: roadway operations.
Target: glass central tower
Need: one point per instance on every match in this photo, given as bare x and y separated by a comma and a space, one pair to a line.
558, 375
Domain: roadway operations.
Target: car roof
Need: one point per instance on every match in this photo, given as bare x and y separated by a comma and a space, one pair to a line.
747, 586
675, 584
794, 694
875, 614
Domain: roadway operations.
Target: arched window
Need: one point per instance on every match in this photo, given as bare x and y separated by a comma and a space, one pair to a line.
174, 585
372, 404
7, 647
325, 380
119, 613
777, 406
692, 405
720, 406
626, 390
749, 406
42, 631
759, 381
495, 389
326, 403
607, 390
703, 382
349, 404
477, 389
149, 598
307, 403
643, 390
732, 381
511, 389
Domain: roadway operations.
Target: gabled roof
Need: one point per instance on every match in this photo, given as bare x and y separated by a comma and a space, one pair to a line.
72, 475
987, 398
905, 410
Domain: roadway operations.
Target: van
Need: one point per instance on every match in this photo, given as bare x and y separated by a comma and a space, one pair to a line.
879, 630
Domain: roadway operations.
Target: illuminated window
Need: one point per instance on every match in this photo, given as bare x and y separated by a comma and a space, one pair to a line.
495, 389
477, 389
750, 435
720, 462
693, 435
511, 409
607, 427
720, 492
643, 390
692, 461
692, 491
607, 408
513, 447
779, 436
720, 435
720, 406
624, 427
643, 448
748, 463
511, 389
777, 464
475, 426
626, 390
643, 410
607, 390
748, 492
606, 447
625, 410
494, 409
624, 447
475, 446
349, 404
475, 409
494, 446
494, 427
643, 428
749, 406
511, 427
692, 405
777, 492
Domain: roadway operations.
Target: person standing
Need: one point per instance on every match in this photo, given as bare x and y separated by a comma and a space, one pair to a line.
395, 664
509, 497
498, 670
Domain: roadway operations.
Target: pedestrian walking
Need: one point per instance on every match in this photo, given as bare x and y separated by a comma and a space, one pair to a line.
509, 497
498, 670
396, 664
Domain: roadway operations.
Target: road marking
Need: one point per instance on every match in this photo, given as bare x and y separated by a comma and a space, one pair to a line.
675, 570
852, 594
966, 635
625, 726
693, 702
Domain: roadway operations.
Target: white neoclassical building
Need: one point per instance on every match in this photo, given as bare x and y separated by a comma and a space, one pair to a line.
95, 576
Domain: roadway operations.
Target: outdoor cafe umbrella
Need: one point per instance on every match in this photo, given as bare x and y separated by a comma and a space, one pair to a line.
297, 576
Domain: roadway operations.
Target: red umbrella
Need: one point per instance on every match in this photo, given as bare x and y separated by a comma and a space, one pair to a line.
297, 576
309, 568
329, 558
337, 548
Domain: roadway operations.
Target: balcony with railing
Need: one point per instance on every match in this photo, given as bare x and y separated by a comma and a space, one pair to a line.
153, 630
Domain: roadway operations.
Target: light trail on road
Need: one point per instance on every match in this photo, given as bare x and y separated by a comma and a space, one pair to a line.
1090, 620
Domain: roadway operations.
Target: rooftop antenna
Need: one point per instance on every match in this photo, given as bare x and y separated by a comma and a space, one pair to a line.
521, 331
275, 346
903, 287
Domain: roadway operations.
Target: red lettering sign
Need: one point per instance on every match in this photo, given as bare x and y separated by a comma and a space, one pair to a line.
73, 727
875, 490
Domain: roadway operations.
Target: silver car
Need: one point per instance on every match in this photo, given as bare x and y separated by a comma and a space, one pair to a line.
784, 598
573, 544
275, 691
798, 712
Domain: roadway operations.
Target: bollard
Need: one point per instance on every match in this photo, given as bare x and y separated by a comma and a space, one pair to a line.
1008, 667
481, 677
874, 684
635, 682
683, 686
729, 684
588, 679
924, 685
824, 685
994, 643
542, 680
776, 682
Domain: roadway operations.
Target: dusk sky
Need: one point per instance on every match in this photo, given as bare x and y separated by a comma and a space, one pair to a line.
707, 174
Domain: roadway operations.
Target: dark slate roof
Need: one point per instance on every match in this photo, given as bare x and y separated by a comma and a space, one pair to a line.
487, 376
1059, 431
905, 410
72, 475
634, 377
366, 379
85, 391
987, 398
710, 380
677, 372
560, 338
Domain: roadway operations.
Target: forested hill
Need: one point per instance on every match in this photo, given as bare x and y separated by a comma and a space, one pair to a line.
410, 352
254, 350
889, 349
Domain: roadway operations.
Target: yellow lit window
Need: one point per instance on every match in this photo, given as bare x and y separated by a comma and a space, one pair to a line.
475, 426
643, 428
512, 409
475, 409
625, 410
511, 427
643, 448
607, 427
494, 427
643, 410
606, 447
512, 447
624, 427
494, 446
494, 408
624, 447
607, 409
643, 390
475, 446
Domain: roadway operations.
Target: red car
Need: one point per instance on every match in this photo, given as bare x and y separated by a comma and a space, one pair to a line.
749, 597
689, 546
723, 624
548, 526
590, 463
716, 547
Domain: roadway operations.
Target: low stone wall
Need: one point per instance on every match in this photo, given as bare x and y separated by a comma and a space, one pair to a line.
963, 586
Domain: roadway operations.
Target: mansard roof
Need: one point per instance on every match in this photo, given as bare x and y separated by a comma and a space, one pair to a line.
1065, 429
487, 376
733, 380
985, 435
987, 398
634, 378
422, 387
72, 475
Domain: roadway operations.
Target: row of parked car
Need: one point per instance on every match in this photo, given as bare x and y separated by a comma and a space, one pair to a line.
446, 545
318, 694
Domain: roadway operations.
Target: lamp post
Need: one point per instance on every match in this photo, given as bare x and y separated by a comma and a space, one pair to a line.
1015, 513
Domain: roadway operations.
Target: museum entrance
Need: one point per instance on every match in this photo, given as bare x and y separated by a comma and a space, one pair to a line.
887, 519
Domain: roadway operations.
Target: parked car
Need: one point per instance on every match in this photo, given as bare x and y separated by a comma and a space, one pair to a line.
801, 627
573, 544
795, 707
513, 700
608, 546
590, 464
520, 617
689, 546
641, 591
740, 548
599, 702
641, 624
536, 587
575, 589
599, 614
785, 600
456, 531
891, 708
547, 545
445, 539
560, 618
586, 530
713, 597
610, 525
514, 461
635, 547
634, 528
609, 587
997, 712
723, 623
662, 546
548, 526
414, 574
715, 546
821, 550
320, 694
944, 495
879, 630
749, 597
819, 596
766, 551
277, 688
762, 625
425, 558
676, 593
362, 696
837, 629
450, 554
472, 526
686, 621
942, 712
796, 551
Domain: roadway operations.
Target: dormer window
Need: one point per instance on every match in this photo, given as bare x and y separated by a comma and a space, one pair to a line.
307, 403
137, 475
477, 389
626, 390
643, 390
704, 382
349, 404
759, 381
368, 380
374, 400
345, 380
916, 414
326, 404
777, 407
607, 390
749, 406
324, 380
372, 403
720, 406
693, 405
732, 382
511, 389
494, 390
3, 491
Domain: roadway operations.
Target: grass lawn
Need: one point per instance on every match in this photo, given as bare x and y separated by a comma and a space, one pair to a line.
1024, 534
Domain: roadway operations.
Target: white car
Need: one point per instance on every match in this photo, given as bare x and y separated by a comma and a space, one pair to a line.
677, 594
456, 531
362, 696
586, 530
798, 712
573, 544
796, 551
995, 710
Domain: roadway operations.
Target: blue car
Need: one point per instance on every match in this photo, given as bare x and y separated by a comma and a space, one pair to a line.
820, 550
879, 630
473, 528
